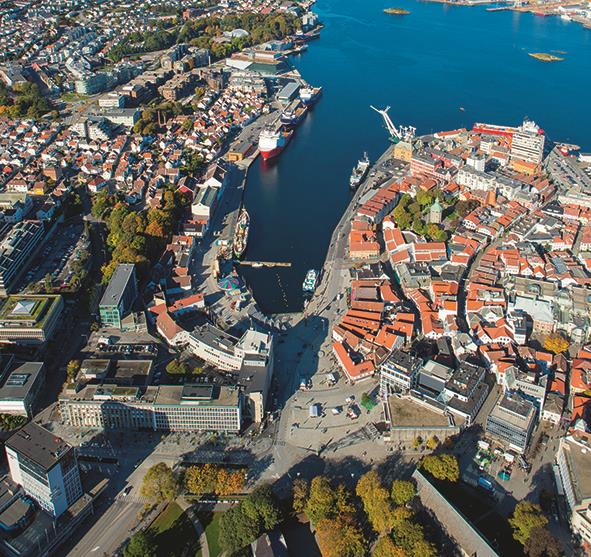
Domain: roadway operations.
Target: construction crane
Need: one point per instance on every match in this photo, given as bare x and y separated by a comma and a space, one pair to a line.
405, 133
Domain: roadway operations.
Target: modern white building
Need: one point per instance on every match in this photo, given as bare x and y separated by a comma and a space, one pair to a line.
188, 407
46, 468
528, 143
573, 476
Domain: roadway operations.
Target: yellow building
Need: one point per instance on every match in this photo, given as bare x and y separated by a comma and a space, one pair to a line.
403, 151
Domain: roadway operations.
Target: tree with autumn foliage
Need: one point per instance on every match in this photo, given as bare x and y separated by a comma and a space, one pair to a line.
376, 502
556, 343
201, 479
228, 483
340, 537
326, 501
209, 478
159, 484
402, 491
385, 547
442, 467
135, 237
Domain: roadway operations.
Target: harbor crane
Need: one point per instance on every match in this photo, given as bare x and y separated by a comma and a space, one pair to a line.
404, 133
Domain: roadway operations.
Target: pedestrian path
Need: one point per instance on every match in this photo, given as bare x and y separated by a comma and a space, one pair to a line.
189, 509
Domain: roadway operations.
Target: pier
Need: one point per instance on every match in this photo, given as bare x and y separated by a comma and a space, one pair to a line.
256, 264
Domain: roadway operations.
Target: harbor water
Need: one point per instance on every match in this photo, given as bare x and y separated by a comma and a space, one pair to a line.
426, 66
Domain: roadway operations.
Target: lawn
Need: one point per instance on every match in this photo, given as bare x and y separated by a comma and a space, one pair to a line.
73, 97
211, 523
174, 533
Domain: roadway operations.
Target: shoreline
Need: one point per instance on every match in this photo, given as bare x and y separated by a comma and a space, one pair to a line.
538, 10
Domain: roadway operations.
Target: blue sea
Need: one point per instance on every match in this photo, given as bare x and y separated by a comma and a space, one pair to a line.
426, 66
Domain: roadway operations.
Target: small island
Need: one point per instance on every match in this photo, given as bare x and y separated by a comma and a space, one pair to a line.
396, 11
545, 57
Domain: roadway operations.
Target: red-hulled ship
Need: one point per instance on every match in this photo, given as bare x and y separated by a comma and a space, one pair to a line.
272, 141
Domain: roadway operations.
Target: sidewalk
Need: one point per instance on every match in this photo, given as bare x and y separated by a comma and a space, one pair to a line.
196, 524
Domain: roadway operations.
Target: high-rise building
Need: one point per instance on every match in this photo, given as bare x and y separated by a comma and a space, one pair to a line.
119, 296
46, 468
528, 143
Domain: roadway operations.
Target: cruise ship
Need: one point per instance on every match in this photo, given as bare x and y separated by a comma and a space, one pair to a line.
272, 141
310, 281
309, 95
359, 172
241, 233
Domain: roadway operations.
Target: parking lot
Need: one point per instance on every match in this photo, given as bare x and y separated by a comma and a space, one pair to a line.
55, 260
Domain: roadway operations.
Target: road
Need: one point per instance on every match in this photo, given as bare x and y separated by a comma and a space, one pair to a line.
109, 531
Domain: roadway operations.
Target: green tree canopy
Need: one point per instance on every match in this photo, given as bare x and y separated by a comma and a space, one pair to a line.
176, 367
325, 501
241, 525
525, 518
159, 484
410, 536
140, 545
441, 467
261, 505
237, 530
299, 493
402, 492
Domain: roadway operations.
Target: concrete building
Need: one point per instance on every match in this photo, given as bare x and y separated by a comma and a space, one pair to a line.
46, 468
29, 319
466, 391
14, 207
20, 388
119, 296
186, 407
511, 421
477, 162
15, 252
398, 372
251, 356
91, 84
122, 116
573, 475
466, 535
